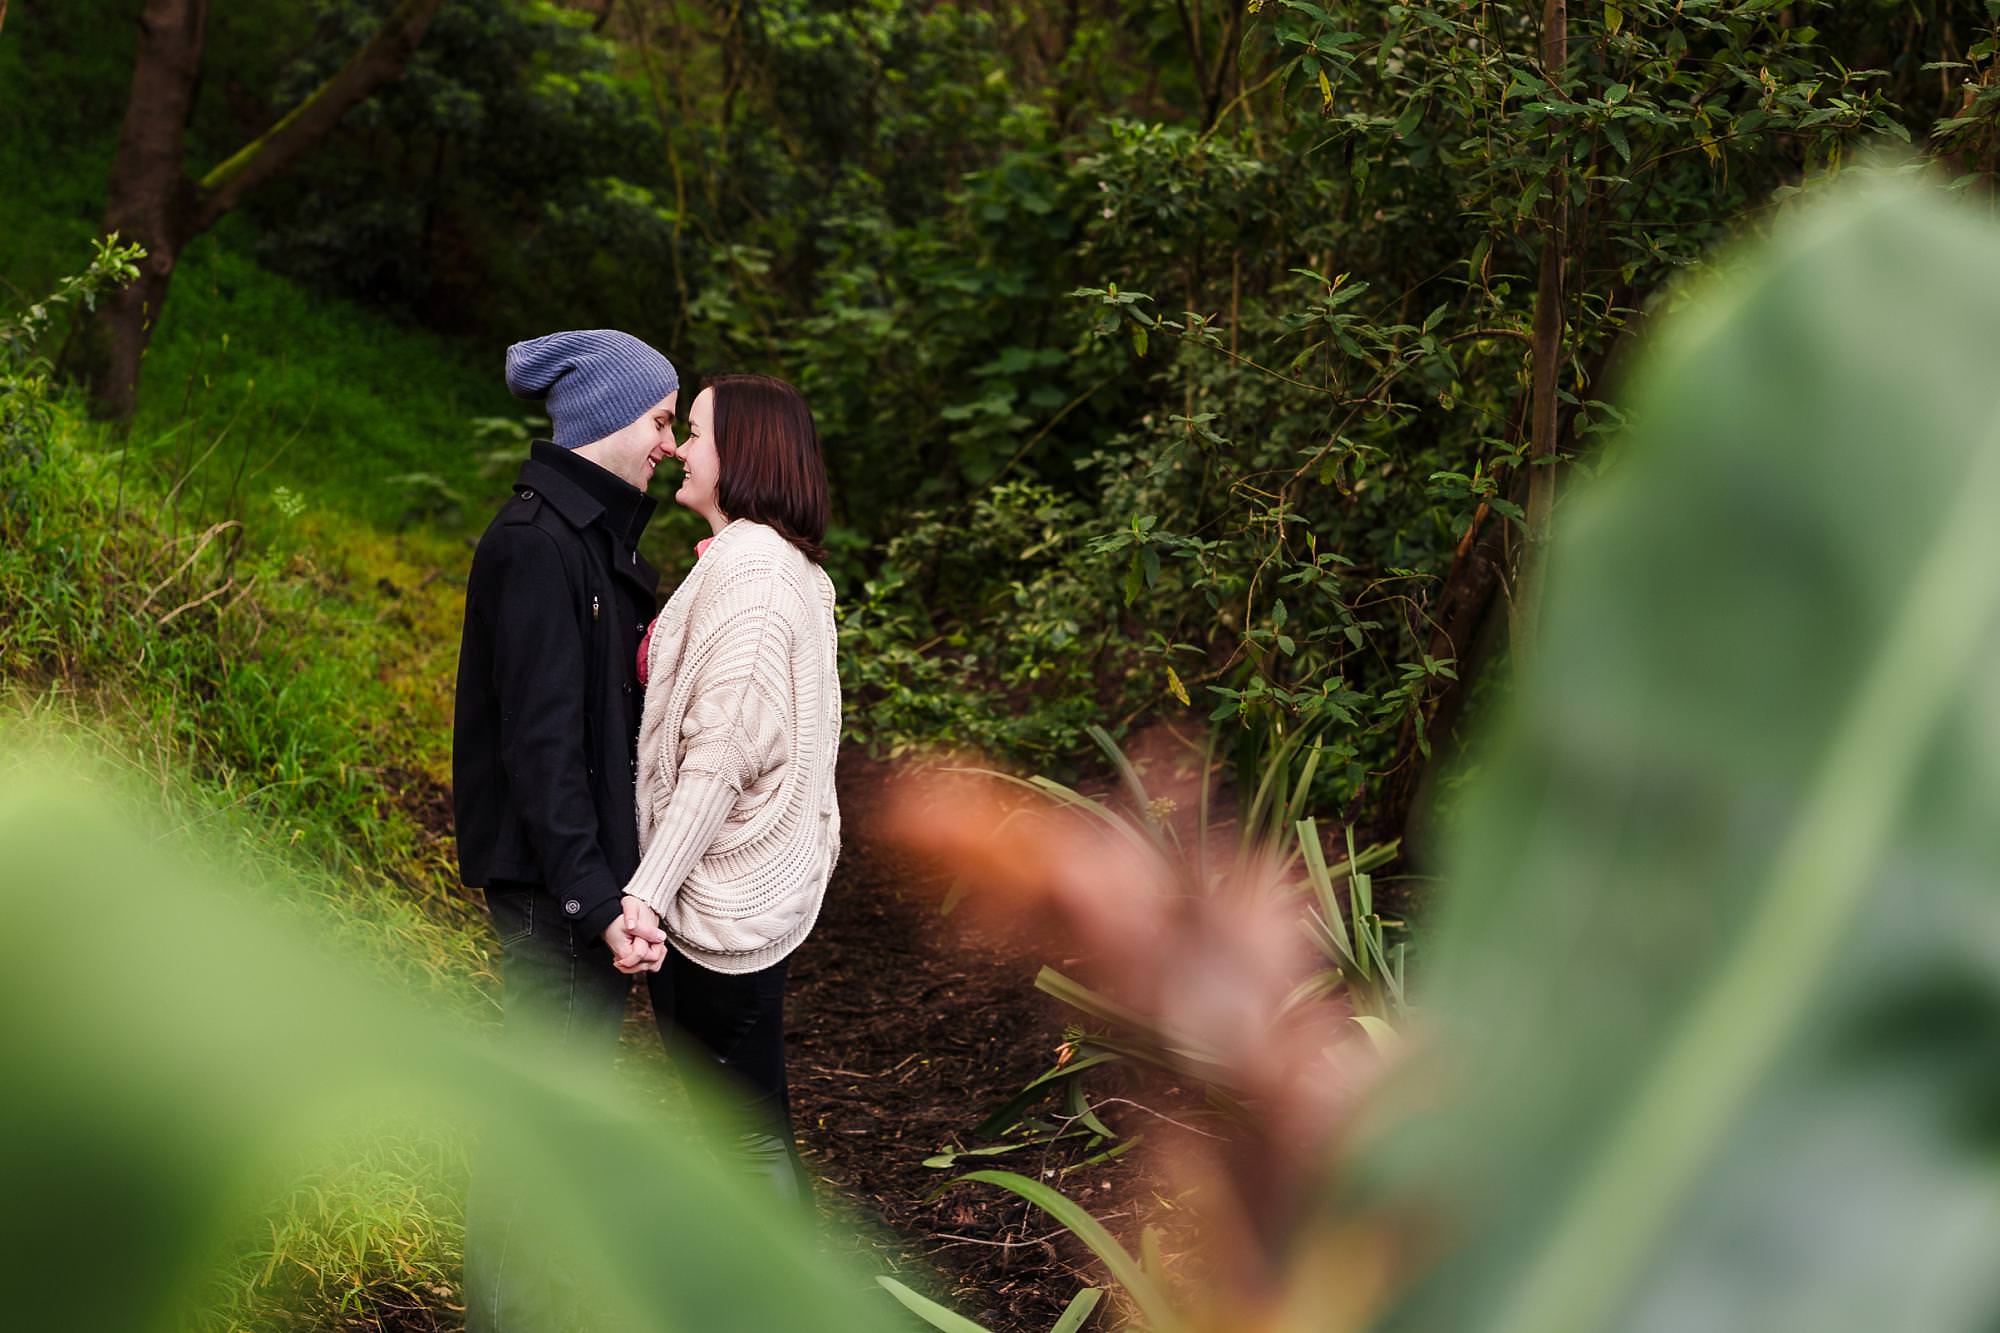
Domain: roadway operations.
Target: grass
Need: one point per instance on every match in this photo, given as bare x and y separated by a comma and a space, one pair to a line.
254, 727
259, 642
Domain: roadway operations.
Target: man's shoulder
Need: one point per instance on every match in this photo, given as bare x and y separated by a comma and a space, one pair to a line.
524, 530
518, 521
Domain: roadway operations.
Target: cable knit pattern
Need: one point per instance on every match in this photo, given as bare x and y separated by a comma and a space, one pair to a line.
738, 822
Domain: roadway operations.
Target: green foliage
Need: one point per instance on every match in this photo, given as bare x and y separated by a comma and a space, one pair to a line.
483, 190
252, 381
1360, 961
1728, 883
1287, 389
1339, 299
1275, 844
1246, 300
925, 676
222, 647
1716, 975
26, 391
950, 1321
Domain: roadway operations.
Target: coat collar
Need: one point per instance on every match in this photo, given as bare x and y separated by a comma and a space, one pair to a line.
584, 493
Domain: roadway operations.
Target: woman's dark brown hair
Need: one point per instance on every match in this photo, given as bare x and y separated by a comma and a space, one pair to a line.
767, 448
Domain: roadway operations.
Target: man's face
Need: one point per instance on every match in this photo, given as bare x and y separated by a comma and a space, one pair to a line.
635, 451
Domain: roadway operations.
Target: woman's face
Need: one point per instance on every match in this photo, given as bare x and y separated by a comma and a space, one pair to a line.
702, 467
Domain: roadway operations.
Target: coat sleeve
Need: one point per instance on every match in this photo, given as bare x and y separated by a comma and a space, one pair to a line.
539, 671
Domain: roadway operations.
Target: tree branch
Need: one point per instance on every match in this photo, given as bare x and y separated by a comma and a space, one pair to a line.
378, 63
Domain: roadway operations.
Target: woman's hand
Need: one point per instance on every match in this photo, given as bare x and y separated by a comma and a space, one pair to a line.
640, 925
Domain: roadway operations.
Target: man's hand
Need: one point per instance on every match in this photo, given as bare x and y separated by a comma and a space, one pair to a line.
637, 942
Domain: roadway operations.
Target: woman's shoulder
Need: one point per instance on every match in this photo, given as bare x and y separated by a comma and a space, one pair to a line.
747, 539
748, 555
747, 547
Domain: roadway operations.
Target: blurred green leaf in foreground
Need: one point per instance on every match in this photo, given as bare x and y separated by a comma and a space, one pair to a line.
168, 1044
1719, 974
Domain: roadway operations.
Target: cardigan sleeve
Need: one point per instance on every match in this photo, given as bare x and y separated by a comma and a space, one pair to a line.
697, 811
735, 725
733, 733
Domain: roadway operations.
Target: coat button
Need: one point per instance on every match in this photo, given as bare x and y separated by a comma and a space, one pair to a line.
572, 907
527, 492
627, 687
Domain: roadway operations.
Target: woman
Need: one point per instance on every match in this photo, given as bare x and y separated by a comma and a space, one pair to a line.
738, 823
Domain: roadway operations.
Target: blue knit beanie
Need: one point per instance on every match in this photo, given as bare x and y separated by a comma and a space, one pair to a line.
596, 381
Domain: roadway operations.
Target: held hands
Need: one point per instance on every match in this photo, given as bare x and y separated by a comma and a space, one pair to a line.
637, 942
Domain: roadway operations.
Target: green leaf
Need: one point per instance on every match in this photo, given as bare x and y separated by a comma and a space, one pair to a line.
1010, 1113
1078, 1310
1147, 1039
201, 1096
1078, 1107
1384, 1038
1333, 920
1615, 134
1135, 787
928, 1310
1145, 1293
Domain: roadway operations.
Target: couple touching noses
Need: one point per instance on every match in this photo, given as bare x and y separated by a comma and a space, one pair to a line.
633, 454
646, 790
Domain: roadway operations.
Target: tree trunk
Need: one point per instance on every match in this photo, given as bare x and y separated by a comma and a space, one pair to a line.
1464, 604
152, 201
1545, 421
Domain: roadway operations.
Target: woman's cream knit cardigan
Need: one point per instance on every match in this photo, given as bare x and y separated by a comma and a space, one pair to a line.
738, 826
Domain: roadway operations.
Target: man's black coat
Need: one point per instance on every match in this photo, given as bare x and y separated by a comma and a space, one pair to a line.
545, 738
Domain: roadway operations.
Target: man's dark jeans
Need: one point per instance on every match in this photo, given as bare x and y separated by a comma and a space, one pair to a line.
556, 985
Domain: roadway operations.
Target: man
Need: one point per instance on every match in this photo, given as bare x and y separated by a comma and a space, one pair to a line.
544, 741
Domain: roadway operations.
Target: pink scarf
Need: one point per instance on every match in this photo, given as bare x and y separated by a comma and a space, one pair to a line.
646, 640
